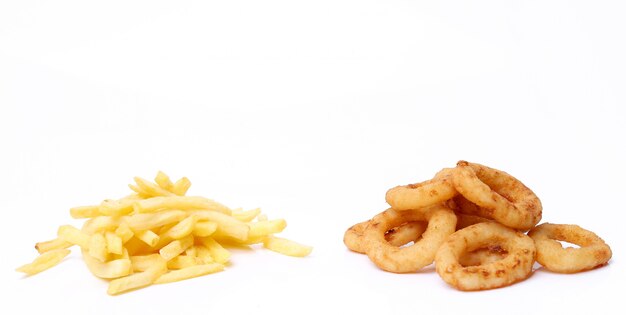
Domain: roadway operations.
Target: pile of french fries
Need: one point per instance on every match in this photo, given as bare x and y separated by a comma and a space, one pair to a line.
159, 235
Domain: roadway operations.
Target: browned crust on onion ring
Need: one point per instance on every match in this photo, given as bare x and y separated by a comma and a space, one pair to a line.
441, 223
516, 266
498, 195
593, 251
424, 194
396, 236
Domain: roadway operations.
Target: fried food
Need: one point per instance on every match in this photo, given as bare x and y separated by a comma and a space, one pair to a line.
499, 196
158, 235
516, 266
441, 223
396, 236
420, 195
593, 251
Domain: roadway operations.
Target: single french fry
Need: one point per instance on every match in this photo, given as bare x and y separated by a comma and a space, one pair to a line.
286, 247
124, 232
204, 228
176, 247
189, 272
264, 228
114, 243
143, 262
117, 207
85, 212
181, 186
47, 246
182, 229
218, 253
135, 247
180, 203
148, 237
73, 235
164, 181
247, 216
146, 221
226, 225
181, 261
107, 270
150, 188
44, 261
100, 224
137, 280
98, 247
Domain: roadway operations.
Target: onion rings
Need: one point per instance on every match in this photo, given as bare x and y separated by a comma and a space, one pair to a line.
424, 194
498, 195
396, 236
441, 223
516, 266
593, 251
482, 256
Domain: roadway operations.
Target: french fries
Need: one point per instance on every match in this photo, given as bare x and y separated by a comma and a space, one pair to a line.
158, 235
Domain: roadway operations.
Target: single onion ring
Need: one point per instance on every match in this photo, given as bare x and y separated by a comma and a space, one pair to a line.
482, 256
516, 266
405, 233
593, 251
441, 223
424, 194
498, 195
397, 236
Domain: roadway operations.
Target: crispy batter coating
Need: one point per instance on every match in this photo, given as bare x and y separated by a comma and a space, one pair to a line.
593, 251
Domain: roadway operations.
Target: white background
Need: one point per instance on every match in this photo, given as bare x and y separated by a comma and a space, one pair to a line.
310, 110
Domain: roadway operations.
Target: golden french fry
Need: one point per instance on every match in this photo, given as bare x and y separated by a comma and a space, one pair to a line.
203, 255
218, 253
176, 247
98, 247
44, 261
181, 261
180, 203
56, 243
181, 186
189, 272
107, 270
286, 247
117, 207
264, 228
145, 221
226, 225
148, 237
164, 181
151, 189
73, 235
137, 280
100, 224
182, 229
85, 212
204, 228
124, 232
247, 216
114, 243
143, 262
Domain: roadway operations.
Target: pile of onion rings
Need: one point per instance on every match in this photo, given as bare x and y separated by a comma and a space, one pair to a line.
478, 225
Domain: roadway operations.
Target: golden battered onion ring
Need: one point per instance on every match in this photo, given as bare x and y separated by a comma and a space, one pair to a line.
441, 223
424, 194
482, 256
397, 236
593, 251
498, 195
353, 237
516, 266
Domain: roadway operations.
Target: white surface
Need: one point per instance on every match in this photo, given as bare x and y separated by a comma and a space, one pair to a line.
311, 111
